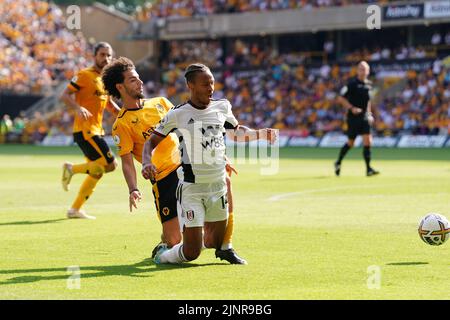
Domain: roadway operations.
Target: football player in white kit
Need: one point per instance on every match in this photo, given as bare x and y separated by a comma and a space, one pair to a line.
200, 125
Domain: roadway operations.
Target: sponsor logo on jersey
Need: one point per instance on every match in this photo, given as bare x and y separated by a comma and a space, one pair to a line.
147, 133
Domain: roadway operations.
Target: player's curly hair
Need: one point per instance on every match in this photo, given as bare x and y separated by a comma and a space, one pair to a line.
113, 74
193, 69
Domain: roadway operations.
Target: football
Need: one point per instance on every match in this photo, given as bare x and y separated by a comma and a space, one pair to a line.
434, 229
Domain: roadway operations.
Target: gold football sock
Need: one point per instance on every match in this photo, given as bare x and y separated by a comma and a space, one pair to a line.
226, 244
86, 189
90, 167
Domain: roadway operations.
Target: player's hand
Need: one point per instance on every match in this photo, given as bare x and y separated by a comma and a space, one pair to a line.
149, 171
84, 113
268, 134
135, 197
356, 110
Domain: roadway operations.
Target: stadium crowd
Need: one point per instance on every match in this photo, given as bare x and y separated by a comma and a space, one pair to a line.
37, 51
189, 8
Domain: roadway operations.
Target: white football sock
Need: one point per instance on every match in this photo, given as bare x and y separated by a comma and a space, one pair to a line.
173, 255
226, 246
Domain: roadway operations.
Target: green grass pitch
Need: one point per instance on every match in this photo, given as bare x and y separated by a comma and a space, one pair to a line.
305, 233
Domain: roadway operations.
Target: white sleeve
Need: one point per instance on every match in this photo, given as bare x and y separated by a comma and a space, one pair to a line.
167, 124
230, 121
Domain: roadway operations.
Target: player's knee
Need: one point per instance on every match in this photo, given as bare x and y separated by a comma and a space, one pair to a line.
96, 175
350, 143
111, 166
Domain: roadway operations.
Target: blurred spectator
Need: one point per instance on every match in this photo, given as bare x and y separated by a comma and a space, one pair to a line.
436, 39
6, 126
447, 39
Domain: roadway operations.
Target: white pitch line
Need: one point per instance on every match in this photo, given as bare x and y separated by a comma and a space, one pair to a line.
290, 194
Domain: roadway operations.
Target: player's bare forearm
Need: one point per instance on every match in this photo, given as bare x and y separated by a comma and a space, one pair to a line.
147, 153
68, 100
148, 169
245, 134
129, 171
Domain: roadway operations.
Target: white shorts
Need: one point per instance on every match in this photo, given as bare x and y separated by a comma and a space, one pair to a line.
201, 202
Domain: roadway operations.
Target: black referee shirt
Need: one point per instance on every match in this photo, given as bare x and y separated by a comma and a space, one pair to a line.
357, 93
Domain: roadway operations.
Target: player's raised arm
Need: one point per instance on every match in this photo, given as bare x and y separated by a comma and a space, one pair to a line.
245, 134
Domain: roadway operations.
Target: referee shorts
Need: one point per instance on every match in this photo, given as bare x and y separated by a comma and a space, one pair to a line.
164, 192
94, 148
357, 126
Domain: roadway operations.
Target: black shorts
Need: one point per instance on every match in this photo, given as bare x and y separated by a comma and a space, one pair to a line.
164, 192
357, 126
94, 148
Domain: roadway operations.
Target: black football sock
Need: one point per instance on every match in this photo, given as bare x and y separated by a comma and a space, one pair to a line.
343, 152
367, 156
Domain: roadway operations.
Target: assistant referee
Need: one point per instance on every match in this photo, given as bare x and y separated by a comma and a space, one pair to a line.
355, 98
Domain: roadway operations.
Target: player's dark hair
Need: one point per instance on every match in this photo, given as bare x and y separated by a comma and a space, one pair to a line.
100, 45
193, 69
112, 74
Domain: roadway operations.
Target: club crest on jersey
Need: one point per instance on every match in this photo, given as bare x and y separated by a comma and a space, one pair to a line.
165, 211
159, 107
116, 139
190, 215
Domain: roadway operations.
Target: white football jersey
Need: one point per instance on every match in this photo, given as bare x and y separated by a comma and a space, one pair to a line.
201, 133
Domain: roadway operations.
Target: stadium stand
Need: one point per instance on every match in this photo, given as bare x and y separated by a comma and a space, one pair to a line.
35, 57
189, 8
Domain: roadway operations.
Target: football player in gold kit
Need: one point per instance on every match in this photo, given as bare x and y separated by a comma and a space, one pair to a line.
86, 95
